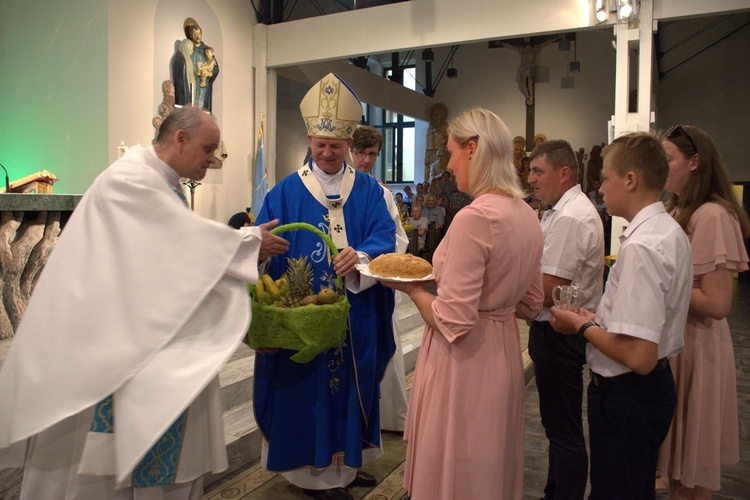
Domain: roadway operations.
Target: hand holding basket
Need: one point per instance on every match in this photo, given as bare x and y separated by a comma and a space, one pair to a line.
310, 330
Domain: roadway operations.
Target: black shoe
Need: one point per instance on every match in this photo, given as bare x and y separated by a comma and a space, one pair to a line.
363, 479
331, 494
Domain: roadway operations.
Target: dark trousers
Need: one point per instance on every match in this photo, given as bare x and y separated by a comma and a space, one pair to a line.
558, 370
627, 423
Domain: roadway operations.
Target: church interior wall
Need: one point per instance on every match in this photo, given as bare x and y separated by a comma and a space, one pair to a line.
487, 77
227, 27
53, 90
78, 78
706, 88
292, 142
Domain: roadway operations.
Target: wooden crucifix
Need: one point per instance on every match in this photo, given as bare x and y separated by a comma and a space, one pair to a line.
528, 48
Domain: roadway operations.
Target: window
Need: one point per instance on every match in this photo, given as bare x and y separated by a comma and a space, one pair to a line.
396, 160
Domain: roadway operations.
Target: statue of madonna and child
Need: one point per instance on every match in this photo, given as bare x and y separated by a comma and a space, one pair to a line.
193, 68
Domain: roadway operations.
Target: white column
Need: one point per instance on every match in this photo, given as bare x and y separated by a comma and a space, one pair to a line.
633, 37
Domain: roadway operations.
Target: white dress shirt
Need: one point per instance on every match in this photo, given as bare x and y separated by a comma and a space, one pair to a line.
648, 289
574, 247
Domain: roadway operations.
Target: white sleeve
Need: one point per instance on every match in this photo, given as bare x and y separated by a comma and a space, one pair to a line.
244, 266
356, 282
563, 255
640, 314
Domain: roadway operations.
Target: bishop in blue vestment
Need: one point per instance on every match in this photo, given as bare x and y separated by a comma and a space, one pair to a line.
320, 420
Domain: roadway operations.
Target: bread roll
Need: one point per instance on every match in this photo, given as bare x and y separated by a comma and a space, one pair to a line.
400, 265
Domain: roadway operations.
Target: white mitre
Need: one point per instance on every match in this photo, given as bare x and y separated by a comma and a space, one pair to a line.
331, 109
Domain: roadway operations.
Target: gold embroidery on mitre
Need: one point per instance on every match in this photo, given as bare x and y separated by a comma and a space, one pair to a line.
331, 109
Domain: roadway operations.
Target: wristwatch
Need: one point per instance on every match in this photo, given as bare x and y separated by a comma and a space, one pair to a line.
584, 327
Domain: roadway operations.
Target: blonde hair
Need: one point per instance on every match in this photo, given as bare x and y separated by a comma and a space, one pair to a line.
492, 164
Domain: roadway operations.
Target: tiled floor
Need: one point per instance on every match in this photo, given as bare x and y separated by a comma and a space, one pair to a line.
256, 483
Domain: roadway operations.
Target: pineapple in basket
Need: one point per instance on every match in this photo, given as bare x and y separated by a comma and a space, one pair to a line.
299, 277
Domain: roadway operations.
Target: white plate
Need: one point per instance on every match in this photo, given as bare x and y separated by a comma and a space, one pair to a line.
364, 269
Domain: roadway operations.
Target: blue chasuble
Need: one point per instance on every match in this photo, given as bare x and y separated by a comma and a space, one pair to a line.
327, 410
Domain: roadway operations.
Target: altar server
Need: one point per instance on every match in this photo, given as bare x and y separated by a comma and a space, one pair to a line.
365, 148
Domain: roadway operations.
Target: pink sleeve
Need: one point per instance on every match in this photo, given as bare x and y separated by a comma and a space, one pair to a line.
716, 240
531, 304
456, 310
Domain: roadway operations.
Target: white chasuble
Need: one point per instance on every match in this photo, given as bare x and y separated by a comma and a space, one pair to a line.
137, 300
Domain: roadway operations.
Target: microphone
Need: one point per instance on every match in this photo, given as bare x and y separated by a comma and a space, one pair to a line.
7, 180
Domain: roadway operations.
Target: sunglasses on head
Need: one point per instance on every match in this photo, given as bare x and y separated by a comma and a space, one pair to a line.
679, 131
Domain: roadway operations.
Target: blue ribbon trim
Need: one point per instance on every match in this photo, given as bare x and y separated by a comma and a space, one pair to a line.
159, 466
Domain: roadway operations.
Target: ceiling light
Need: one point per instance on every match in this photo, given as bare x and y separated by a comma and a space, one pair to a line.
627, 9
601, 11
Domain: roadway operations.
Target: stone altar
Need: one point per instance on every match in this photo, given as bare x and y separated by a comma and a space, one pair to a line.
29, 227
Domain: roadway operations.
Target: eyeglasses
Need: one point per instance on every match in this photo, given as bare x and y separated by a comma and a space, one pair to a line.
362, 154
679, 130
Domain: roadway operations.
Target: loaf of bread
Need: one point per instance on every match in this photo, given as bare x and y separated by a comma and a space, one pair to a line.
400, 265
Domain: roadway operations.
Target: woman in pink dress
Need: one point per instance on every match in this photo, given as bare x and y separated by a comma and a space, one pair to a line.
704, 434
465, 422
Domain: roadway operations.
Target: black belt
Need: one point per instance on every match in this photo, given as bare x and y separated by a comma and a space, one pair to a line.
605, 383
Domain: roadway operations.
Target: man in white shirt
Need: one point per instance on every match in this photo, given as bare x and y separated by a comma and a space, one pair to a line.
365, 148
573, 251
139, 305
631, 397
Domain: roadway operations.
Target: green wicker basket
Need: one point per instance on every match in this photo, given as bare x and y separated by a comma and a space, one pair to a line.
310, 330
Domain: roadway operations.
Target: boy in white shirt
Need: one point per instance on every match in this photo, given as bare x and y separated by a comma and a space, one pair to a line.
641, 319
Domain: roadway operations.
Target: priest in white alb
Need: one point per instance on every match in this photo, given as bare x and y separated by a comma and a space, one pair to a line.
110, 388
